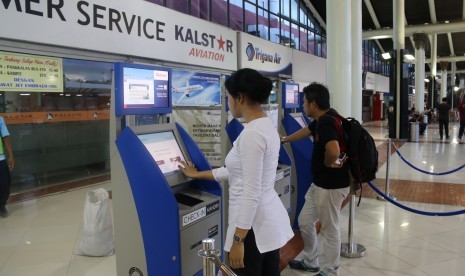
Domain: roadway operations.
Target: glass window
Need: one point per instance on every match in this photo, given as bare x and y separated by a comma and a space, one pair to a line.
294, 10
177, 5
324, 47
251, 19
311, 43
263, 4
285, 32
263, 24
220, 12
303, 40
200, 9
274, 6
61, 136
235, 15
295, 41
274, 28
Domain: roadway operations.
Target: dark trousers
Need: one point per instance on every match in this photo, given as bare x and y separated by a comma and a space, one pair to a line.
256, 263
462, 128
443, 124
5, 182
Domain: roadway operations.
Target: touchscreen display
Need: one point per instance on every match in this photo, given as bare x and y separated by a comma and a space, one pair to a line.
164, 149
301, 121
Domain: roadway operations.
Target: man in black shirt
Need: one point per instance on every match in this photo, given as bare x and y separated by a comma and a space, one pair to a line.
330, 183
443, 117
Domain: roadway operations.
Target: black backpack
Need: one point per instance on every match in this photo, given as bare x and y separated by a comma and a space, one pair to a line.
362, 153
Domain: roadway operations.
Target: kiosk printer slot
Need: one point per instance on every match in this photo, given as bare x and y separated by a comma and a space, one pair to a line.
161, 216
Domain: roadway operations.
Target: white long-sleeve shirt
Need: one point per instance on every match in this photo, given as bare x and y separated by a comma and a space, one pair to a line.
253, 202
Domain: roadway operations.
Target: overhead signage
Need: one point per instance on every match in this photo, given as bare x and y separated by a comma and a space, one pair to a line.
189, 88
135, 28
269, 58
368, 80
29, 73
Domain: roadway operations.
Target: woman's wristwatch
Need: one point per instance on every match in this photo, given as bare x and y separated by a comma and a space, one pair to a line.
238, 239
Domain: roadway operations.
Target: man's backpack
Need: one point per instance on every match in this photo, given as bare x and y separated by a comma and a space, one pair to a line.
362, 153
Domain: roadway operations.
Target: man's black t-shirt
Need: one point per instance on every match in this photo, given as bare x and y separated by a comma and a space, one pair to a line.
326, 129
443, 111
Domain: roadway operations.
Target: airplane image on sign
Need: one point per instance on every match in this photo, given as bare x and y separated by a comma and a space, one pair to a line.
188, 89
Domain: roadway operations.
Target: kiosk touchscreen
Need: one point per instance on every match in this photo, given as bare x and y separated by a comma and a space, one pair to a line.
173, 212
299, 118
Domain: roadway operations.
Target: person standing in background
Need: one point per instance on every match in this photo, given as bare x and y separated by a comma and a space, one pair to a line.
461, 109
6, 165
443, 117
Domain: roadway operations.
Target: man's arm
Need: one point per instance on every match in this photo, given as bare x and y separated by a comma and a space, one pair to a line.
9, 150
331, 154
298, 135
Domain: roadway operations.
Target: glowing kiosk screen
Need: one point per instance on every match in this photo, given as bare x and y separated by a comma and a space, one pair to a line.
164, 149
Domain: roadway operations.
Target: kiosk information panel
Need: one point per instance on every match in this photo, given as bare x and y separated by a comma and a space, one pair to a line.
290, 95
141, 89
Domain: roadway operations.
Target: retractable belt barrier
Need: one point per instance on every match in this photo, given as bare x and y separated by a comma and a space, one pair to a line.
426, 172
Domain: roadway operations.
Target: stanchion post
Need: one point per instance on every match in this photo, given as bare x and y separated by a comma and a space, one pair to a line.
208, 245
211, 258
388, 162
351, 249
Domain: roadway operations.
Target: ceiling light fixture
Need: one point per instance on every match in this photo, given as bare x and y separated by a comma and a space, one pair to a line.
409, 57
386, 55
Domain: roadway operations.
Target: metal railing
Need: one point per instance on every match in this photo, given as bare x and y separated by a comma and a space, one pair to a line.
211, 259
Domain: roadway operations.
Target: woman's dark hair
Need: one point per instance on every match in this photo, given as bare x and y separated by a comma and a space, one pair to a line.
251, 84
319, 93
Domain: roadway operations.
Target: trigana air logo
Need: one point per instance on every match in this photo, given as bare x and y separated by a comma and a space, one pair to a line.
250, 51
260, 55
134, 271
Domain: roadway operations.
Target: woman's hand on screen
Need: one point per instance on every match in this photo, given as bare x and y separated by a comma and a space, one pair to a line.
188, 169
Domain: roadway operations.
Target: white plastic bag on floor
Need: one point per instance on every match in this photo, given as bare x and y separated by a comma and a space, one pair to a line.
97, 232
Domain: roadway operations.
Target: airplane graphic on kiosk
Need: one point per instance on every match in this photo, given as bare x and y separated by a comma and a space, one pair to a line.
188, 89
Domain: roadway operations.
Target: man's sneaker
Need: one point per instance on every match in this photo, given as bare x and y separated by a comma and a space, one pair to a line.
300, 265
3, 212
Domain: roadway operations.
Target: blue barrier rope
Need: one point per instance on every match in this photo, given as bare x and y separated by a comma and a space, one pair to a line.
444, 214
427, 172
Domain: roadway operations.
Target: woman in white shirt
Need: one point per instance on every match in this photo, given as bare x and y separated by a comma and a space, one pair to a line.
258, 224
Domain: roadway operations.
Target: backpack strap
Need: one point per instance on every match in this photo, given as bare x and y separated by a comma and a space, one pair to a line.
342, 136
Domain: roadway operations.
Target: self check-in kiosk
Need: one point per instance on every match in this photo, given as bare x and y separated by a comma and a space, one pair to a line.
160, 215
283, 173
174, 213
301, 150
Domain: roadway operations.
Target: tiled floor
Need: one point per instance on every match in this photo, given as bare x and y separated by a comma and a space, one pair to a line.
40, 234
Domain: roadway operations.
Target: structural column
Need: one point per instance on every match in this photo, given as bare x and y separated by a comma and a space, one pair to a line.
444, 66
434, 53
399, 118
338, 70
356, 21
420, 40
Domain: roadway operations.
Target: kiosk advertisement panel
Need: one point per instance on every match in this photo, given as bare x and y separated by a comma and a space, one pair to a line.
195, 88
